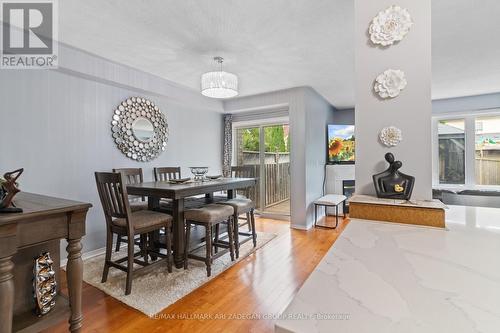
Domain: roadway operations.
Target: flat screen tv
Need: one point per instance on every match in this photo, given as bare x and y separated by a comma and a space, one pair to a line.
341, 144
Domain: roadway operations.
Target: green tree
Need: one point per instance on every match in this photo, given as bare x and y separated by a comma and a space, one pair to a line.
274, 138
251, 139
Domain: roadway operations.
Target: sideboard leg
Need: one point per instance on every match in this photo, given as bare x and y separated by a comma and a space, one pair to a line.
74, 274
6, 294
8, 247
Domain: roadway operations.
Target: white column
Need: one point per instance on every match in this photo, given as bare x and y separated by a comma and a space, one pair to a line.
410, 111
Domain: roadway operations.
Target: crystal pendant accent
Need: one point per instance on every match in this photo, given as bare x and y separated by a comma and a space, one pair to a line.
219, 84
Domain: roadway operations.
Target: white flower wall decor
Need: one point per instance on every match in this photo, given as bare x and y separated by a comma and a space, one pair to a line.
390, 25
390, 136
390, 83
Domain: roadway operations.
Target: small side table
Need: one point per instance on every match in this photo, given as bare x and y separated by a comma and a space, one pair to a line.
329, 200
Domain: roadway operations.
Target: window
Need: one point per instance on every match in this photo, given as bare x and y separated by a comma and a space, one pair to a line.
487, 151
451, 134
467, 150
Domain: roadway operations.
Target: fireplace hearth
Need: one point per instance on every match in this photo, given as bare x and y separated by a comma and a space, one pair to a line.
348, 190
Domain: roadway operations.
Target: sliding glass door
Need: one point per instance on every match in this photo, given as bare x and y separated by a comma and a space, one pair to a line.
275, 162
247, 153
267, 149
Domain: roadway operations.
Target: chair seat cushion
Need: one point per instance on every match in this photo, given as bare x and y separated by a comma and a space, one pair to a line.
240, 205
145, 219
136, 206
209, 213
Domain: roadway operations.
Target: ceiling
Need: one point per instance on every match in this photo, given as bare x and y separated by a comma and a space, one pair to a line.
465, 47
276, 44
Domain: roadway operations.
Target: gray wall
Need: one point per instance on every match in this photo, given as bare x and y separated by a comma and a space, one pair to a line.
56, 124
309, 114
294, 100
411, 111
439, 106
467, 103
318, 114
344, 117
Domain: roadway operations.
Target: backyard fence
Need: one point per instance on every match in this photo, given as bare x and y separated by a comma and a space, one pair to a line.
487, 171
276, 175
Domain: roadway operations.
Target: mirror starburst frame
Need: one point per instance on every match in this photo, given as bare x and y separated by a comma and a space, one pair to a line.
130, 144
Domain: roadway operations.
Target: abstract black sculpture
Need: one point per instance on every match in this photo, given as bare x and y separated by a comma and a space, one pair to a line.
391, 183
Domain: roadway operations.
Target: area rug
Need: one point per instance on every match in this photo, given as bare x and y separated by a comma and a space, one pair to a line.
155, 289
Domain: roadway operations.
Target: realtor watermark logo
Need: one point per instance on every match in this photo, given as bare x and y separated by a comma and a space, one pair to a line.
29, 34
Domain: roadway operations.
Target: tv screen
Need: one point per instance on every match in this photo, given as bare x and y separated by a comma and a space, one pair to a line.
341, 144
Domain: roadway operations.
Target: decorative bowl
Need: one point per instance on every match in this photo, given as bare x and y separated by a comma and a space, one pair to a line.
199, 172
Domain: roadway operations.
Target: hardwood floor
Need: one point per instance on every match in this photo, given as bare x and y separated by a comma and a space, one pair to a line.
235, 301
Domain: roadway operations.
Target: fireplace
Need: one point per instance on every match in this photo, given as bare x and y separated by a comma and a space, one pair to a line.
336, 176
348, 191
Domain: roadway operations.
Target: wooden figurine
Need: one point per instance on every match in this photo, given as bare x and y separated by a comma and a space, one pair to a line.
9, 188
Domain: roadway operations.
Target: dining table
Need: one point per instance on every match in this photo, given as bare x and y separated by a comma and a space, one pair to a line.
178, 192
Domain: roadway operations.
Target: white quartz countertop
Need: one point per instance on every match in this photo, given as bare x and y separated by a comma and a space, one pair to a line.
386, 277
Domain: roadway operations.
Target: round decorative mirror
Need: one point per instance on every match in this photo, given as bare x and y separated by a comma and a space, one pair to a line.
140, 129
143, 129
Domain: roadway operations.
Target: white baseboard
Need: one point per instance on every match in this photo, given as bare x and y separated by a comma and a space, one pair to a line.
300, 226
87, 255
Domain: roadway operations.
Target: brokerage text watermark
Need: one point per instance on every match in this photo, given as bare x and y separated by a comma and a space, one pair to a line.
251, 316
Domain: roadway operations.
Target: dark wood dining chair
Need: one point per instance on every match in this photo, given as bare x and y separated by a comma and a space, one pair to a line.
244, 210
209, 216
132, 176
164, 174
244, 171
122, 221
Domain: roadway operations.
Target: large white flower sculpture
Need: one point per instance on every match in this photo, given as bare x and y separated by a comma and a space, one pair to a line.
390, 136
390, 26
390, 83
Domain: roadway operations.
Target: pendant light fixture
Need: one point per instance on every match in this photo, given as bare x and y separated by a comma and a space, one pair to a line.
219, 84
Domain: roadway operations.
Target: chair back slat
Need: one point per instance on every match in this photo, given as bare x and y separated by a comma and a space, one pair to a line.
115, 198
113, 194
164, 174
245, 171
132, 176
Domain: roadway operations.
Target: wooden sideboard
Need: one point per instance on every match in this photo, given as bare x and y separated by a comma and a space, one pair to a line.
23, 236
